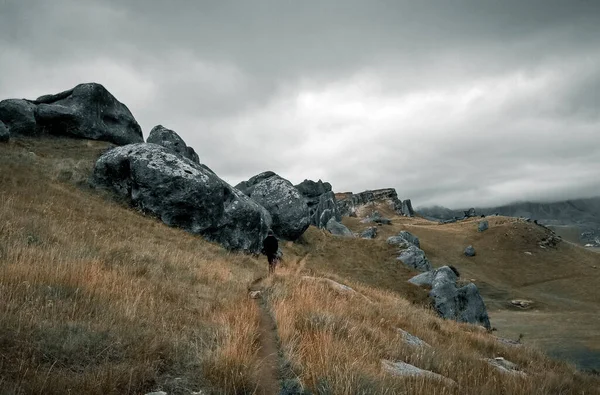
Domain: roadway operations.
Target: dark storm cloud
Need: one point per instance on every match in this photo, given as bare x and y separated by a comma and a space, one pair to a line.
450, 102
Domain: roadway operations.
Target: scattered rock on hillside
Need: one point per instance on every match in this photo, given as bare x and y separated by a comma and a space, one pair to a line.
19, 117
338, 229
482, 226
550, 241
412, 340
462, 304
504, 366
398, 241
470, 251
412, 239
470, 213
414, 257
4, 134
173, 142
321, 202
87, 111
404, 369
183, 194
369, 233
377, 218
407, 209
522, 303
282, 200
423, 278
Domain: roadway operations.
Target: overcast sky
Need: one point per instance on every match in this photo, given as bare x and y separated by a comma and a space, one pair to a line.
456, 103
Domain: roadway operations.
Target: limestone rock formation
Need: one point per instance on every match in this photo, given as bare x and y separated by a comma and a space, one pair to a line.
19, 117
182, 194
87, 111
322, 205
407, 209
282, 200
415, 258
349, 203
173, 142
338, 229
4, 134
404, 369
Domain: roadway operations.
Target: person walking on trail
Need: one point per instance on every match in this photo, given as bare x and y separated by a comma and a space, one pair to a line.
270, 247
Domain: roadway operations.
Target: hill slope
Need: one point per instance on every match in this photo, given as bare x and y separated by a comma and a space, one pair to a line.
98, 298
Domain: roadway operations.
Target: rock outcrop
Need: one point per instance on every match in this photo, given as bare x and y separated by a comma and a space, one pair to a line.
470, 213
322, 205
407, 209
338, 229
19, 117
462, 304
173, 142
4, 134
349, 203
415, 258
87, 111
377, 218
404, 369
182, 194
369, 233
282, 200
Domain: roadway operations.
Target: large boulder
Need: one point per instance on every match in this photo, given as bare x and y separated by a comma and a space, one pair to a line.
19, 117
322, 205
462, 304
182, 194
171, 140
407, 209
415, 258
338, 229
282, 200
87, 111
4, 134
412, 239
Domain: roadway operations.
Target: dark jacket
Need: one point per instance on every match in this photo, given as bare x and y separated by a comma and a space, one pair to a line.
270, 245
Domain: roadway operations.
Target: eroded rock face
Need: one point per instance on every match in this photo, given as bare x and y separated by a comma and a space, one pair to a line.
322, 205
338, 229
18, 117
87, 111
415, 258
282, 200
349, 203
173, 142
4, 134
182, 194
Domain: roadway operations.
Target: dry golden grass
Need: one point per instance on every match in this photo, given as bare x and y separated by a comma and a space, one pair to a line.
96, 298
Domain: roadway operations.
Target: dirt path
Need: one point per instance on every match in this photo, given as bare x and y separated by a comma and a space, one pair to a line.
268, 353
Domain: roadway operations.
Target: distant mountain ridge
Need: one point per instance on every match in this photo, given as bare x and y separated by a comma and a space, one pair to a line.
582, 214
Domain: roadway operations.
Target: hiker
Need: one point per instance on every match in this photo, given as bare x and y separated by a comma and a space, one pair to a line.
270, 247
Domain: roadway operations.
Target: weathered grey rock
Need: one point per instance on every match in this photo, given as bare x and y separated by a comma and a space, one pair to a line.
369, 233
414, 257
469, 251
183, 194
19, 117
87, 111
504, 366
462, 304
470, 213
423, 278
404, 369
338, 229
407, 209
412, 339
412, 239
483, 226
398, 241
4, 134
172, 141
282, 200
350, 202
322, 205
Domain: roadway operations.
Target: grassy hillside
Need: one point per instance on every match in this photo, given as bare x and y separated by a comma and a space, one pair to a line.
97, 298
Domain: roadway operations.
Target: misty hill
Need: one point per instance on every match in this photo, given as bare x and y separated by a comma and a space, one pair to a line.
577, 219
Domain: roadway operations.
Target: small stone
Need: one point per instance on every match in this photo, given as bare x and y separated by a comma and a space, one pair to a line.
522, 303
470, 251
483, 226
528, 253
255, 294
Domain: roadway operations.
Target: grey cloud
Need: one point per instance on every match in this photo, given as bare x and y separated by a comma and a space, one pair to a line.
456, 103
